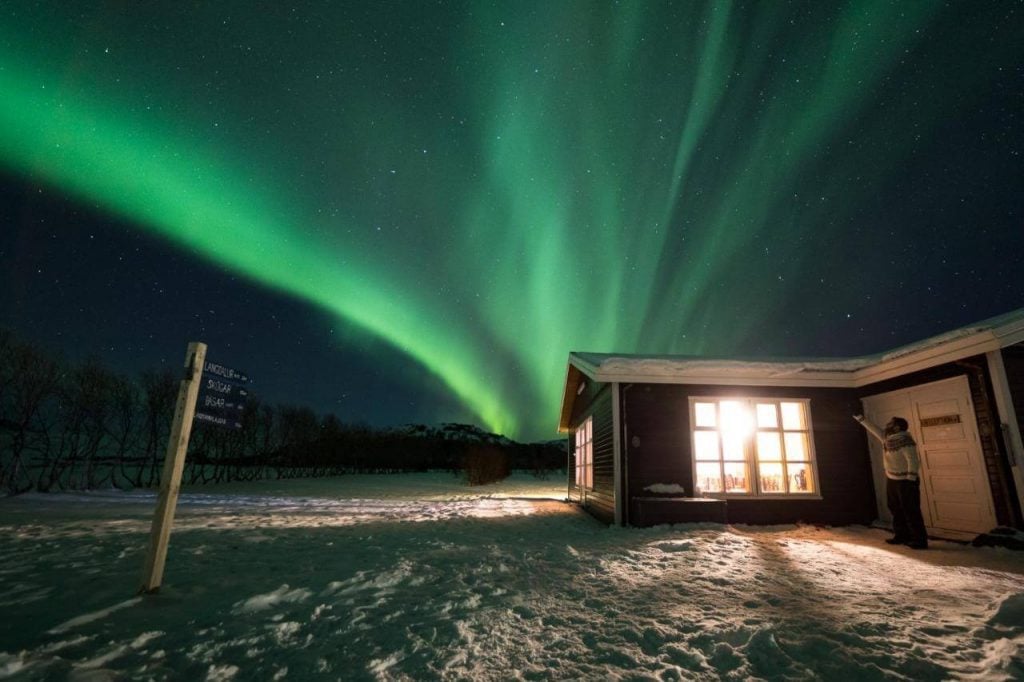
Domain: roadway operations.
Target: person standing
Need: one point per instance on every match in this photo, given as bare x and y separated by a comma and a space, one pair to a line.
902, 481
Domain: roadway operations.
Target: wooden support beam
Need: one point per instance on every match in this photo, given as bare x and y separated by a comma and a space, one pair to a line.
174, 463
1008, 421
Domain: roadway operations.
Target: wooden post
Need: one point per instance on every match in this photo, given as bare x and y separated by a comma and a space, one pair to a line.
174, 463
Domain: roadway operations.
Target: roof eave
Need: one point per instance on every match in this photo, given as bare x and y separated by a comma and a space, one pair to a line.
877, 368
575, 370
823, 379
957, 349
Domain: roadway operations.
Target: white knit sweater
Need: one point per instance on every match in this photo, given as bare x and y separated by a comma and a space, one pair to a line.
899, 453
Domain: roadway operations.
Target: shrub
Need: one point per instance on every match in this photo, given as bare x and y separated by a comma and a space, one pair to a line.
484, 464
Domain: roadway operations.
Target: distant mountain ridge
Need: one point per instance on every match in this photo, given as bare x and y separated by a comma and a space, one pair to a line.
449, 431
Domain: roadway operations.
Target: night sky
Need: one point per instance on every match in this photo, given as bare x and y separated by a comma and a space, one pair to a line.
412, 212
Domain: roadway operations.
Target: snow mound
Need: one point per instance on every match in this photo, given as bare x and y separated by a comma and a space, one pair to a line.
282, 595
666, 488
95, 615
1009, 612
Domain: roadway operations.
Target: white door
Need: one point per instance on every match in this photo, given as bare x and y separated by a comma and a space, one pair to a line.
956, 499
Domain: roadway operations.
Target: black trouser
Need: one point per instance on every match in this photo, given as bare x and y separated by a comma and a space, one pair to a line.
904, 498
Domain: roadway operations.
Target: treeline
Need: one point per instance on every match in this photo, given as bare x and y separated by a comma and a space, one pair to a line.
82, 426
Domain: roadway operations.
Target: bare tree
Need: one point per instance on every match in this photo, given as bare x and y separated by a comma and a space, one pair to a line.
124, 426
83, 409
29, 381
159, 389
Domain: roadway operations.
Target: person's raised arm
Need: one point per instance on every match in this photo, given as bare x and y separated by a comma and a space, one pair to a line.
870, 427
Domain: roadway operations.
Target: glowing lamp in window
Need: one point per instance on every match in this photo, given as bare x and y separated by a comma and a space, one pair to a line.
758, 446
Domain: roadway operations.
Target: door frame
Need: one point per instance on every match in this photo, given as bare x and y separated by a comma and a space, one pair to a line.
963, 388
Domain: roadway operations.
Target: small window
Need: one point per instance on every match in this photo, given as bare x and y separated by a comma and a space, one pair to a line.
585, 454
752, 447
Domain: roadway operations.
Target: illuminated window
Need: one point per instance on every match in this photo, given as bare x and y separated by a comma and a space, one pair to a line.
585, 454
758, 446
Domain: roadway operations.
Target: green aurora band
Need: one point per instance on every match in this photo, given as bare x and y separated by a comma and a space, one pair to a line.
583, 177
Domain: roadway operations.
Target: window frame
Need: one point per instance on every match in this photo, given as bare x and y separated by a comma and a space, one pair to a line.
584, 466
751, 460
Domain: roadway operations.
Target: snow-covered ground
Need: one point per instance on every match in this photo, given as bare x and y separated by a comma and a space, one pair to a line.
417, 577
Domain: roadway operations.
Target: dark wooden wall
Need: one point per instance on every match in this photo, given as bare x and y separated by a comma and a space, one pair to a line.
1013, 358
596, 402
656, 431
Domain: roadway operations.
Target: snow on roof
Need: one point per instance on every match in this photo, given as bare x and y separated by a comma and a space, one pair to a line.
1010, 321
666, 366
612, 365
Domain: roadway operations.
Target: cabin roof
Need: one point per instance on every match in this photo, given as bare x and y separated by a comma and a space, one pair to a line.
980, 337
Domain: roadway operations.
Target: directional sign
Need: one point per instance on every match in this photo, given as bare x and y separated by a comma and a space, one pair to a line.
223, 421
213, 369
222, 395
212, 401
223, 388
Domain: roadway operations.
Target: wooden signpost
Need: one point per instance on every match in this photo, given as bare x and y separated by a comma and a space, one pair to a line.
174, 463
224, 400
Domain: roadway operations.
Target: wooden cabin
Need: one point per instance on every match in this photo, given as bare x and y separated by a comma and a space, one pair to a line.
668, 439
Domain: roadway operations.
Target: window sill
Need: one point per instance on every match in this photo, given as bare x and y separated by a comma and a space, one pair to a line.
761, 498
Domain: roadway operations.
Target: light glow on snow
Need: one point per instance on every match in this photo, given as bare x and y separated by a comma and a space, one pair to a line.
487, 588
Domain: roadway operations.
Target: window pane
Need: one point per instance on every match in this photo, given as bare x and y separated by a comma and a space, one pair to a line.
767, 417
736, 478
771, 478
705, 445
590, 429
796, 447
732, 445
801, 478
793, 416
736, 418
769, 447
709, 477
704, 414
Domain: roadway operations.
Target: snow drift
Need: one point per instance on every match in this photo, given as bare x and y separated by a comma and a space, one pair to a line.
415, 576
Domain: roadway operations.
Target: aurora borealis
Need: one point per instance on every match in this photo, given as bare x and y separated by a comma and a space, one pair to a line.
455, 195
